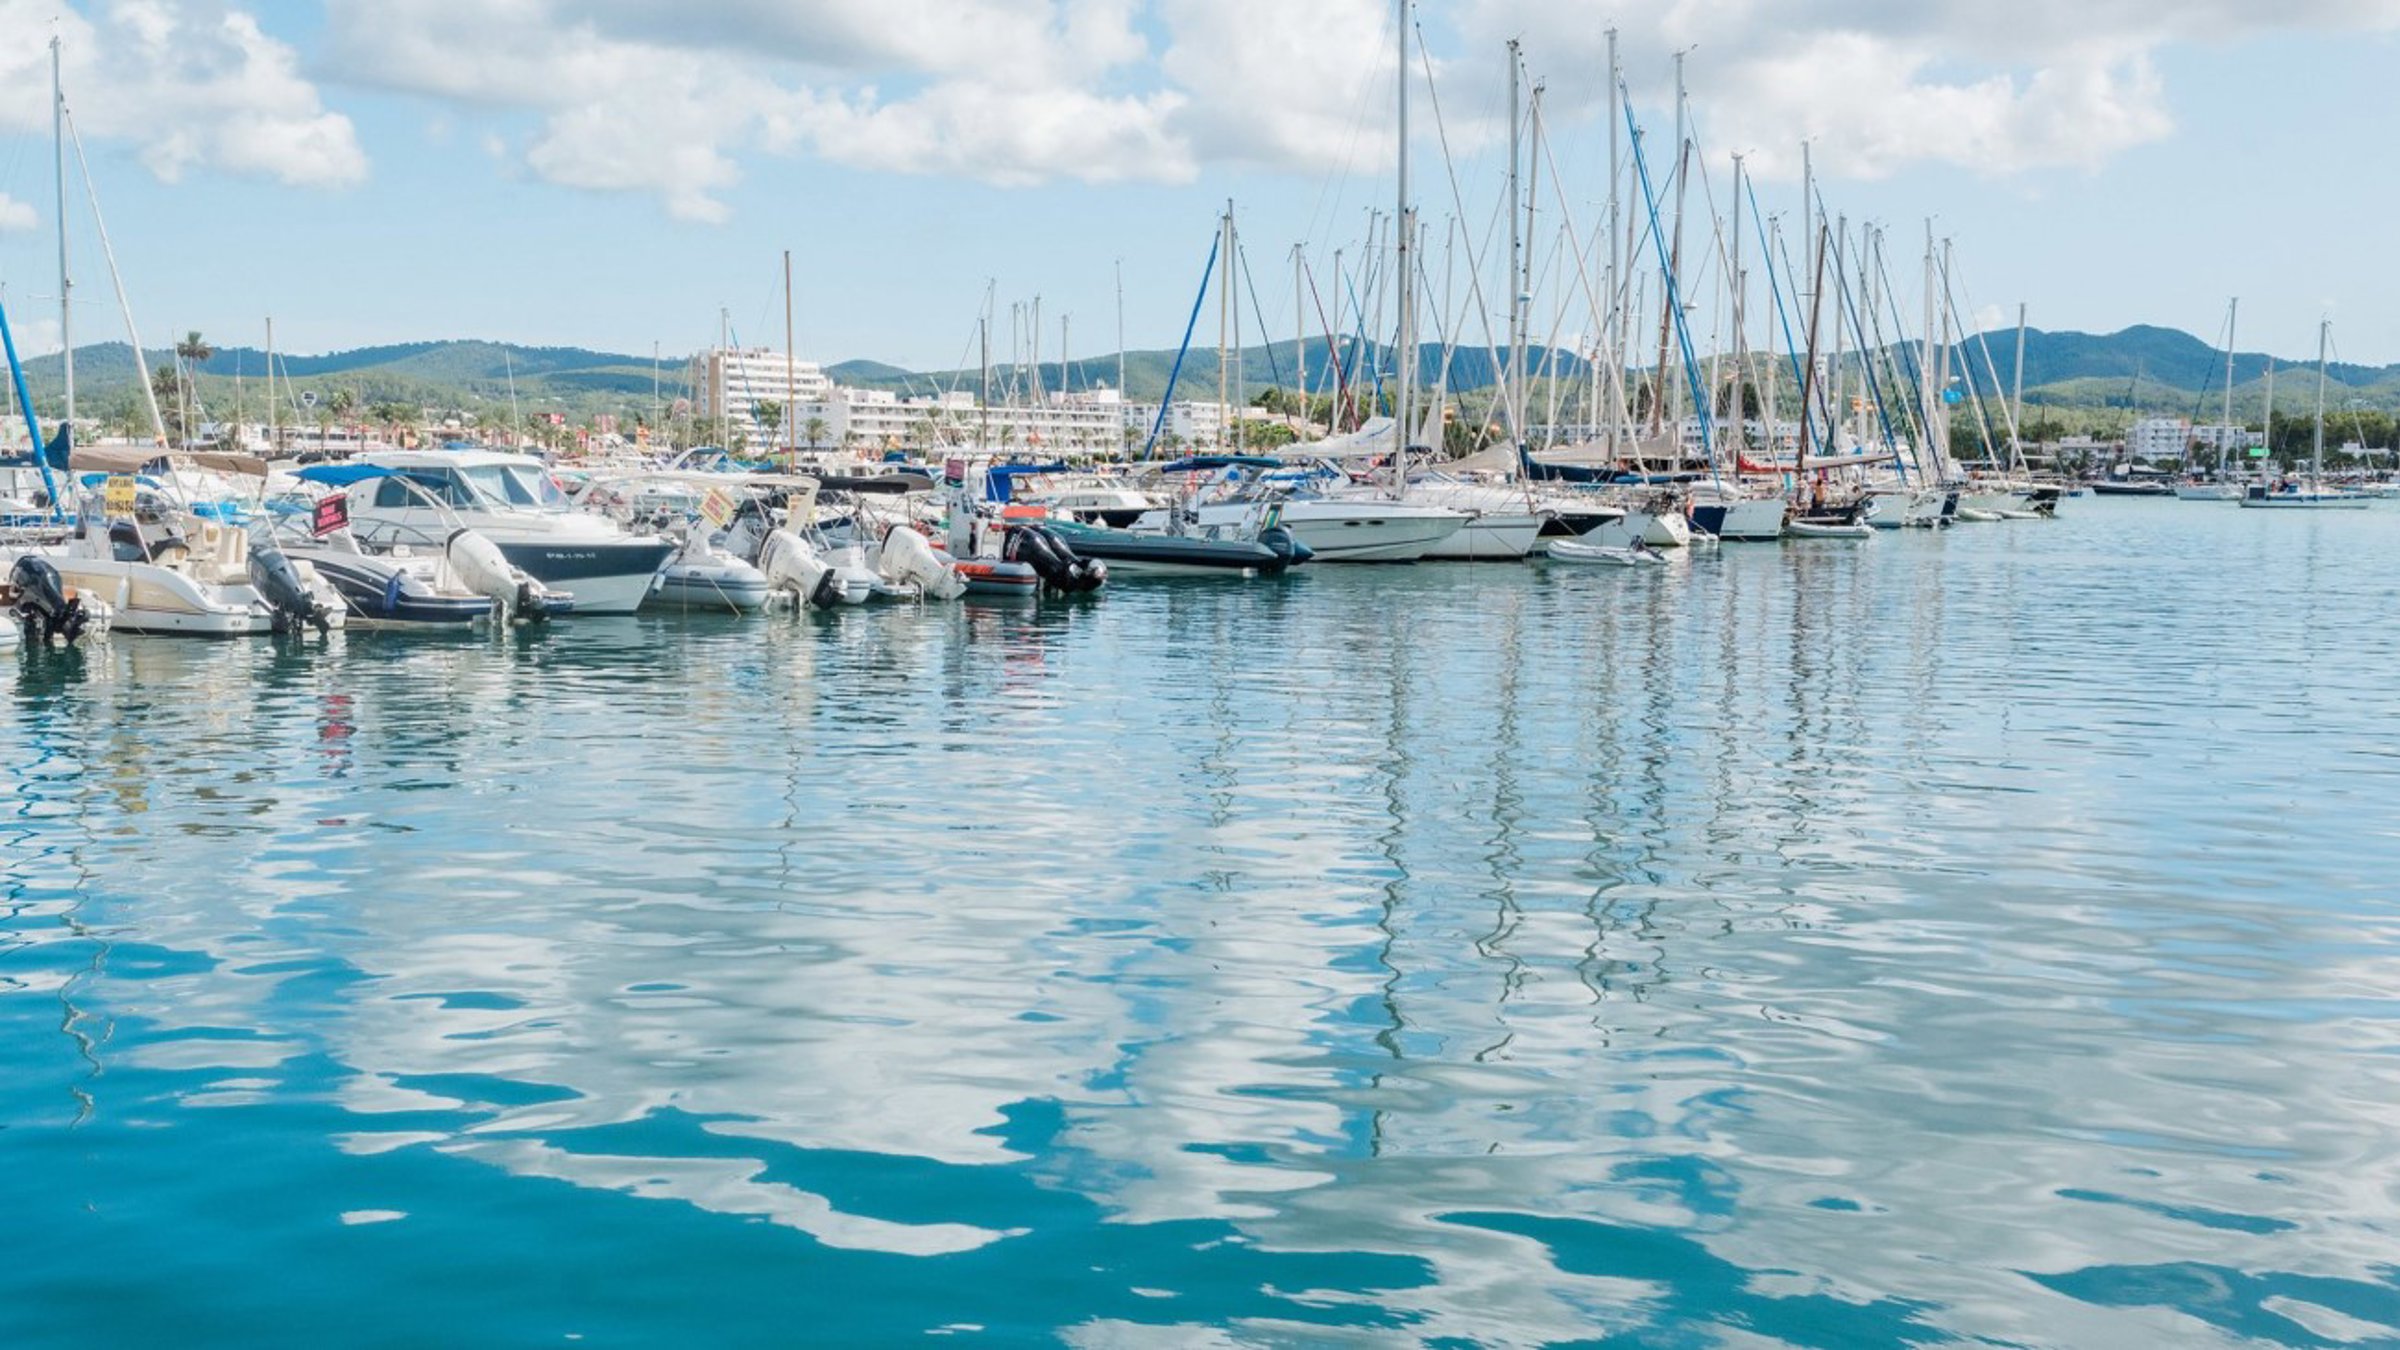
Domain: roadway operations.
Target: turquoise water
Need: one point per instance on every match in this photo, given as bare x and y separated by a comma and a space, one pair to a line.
1984, 938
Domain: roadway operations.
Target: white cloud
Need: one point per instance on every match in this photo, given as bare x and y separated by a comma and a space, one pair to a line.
1878, 85
190, 84
632, 96
1010, 93
15, 216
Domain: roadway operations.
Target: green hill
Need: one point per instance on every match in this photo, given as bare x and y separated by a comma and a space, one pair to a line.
2095, 380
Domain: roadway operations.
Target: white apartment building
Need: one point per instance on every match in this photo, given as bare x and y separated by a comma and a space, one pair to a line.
2158, 438
2233, 439
1190, 423
826, 415
729, 383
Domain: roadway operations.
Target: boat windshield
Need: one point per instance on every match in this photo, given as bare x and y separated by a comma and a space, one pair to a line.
509, 485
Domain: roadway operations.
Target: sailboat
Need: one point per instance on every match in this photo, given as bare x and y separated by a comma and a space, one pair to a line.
2310, 492
142, 542
2215, 487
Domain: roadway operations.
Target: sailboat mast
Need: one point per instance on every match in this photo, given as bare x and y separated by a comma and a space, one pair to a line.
1613, 319
1734, 278
273, 418
2225, 422
1925, 368
1516, 254
2266, 435
1808, 372
1404, 258
791, 381
66, 278
2316, 450
1299, 331
2016, 391
1668, 294
1225, 408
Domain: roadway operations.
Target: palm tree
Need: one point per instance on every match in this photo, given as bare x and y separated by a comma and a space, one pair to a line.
189, 353
816, 432
166, 386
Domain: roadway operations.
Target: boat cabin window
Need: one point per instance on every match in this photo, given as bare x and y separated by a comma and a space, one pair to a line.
440, 484
509, 485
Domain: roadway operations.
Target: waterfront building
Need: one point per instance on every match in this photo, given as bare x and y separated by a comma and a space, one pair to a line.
2157, 438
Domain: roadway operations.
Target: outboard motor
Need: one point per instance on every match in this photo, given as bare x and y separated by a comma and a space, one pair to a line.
907, 557
274, 577
1058, 565
1286, 545
44, 610
791, 565
486, 571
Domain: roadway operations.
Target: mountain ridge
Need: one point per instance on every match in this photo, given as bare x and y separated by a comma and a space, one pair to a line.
2142, 367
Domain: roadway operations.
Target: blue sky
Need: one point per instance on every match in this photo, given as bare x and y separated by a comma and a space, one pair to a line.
587, 172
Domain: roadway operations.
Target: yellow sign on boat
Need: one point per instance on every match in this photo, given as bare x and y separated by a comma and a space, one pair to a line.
717, 507
117, 495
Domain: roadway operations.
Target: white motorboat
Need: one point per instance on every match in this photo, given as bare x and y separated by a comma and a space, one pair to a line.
1342, 525
43, 609
510, 500
1503, 523
1656, 520
1826, 529
1605, 555
701, 576
1090, 500
1897, 506
1728, 511
464, 582
1364, 529
1995, 499
162, 566
2199, 491
2304, 494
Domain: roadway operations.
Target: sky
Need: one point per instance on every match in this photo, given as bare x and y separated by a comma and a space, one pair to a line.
619, 173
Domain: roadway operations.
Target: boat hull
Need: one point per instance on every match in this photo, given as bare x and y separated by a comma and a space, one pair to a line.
991, 576
381, 597
1752, 518
605, 577
1369, 531
1490, 538
739, 588
158, 600
1140, 553
1604, 555
2302, 501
